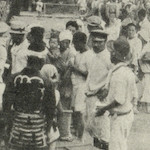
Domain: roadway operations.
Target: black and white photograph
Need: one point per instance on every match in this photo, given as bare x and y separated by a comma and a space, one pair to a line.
74, 74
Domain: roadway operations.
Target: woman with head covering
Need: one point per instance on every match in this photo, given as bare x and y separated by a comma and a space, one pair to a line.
65, 87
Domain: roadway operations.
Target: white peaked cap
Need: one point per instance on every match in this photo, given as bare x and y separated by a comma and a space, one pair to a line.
65, 35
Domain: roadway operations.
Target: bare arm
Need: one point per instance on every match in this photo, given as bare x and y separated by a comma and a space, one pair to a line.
101, 111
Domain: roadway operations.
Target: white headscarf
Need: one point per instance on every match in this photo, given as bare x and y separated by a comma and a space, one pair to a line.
65, 35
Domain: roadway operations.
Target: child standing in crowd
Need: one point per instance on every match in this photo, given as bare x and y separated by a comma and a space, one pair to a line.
39, 7
51, 76
80, 69
53, 43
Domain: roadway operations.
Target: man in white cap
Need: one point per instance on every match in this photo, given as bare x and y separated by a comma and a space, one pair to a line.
96, 79
122, 91
94, 23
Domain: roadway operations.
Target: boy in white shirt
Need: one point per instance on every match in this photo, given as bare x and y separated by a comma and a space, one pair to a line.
80, 68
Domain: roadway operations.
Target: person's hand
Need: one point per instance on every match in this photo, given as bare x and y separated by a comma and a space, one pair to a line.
102, 94
70, 64
99, 112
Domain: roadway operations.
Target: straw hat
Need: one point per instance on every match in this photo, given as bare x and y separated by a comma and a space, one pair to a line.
94, 21
17, 27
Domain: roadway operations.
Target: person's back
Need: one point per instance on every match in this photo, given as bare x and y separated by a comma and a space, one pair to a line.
29, 96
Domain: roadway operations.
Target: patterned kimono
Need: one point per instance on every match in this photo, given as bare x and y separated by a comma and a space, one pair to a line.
26, 93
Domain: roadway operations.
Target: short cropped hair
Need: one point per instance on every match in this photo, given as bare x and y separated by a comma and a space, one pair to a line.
122, 46
35, 61
79, 37
132, 24
142, 12
72, 23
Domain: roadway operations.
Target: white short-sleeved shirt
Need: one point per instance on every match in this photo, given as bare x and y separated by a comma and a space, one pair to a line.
122, 88
19, 57
98, 71
83, 62
136, 48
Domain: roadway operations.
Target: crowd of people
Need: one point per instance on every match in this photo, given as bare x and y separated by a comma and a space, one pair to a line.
91, 77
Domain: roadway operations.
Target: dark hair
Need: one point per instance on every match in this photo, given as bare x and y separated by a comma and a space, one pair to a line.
100, 35
122, 46
79, 37
37, 33
72, 23
142, 12
132, 24
34, 61
54, 34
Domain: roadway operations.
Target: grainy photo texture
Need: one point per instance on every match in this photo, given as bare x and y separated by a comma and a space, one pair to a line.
74, 74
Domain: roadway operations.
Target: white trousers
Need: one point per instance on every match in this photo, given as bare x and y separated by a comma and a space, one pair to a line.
98, 127
120, 129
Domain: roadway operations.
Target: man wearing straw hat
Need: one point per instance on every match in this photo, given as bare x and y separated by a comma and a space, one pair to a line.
122, 91
15, 49
94, 23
